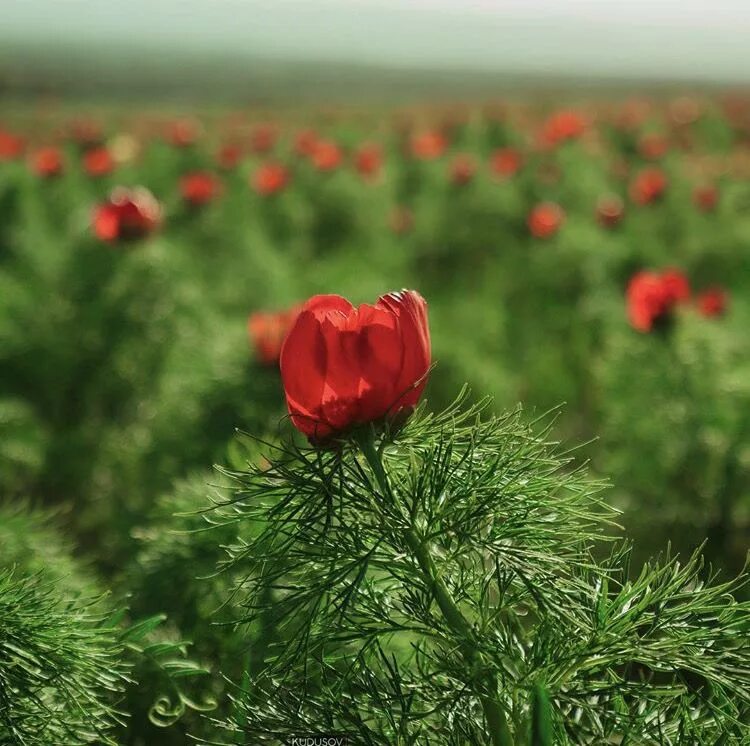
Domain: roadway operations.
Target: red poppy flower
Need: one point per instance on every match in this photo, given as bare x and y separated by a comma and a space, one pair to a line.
47, 162
562, 126
182, 133
368, 160
462, 169
326, 155
712, 302
609, 210
427, 146
653, 146
706, 197
344, 366
651, 297
267, 331
505, 162
676, 286
199, 188
11, 146
545, 219
648, 186
305, 142
229, 155
263, 138
128, 214
270, 178
98, 162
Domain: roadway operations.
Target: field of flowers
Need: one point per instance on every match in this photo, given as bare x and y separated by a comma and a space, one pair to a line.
589, 260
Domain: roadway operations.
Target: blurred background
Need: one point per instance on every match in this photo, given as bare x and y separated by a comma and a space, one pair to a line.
566, 182
242, 51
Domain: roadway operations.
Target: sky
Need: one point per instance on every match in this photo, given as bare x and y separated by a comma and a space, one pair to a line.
693, 39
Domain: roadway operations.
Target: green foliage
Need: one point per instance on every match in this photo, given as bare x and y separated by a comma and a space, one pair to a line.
693, 461
124, 370
420, 587
151, 674
60, 666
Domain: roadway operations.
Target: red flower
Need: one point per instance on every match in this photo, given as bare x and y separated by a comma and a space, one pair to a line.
270, 178
305, 141
648, 186
505, 162
11, 146
462, 169
545, 219
706, 197
651, 297
98, 162
182, 133
229, 155
199, 188
609, 210
676, 286
653, 146
562, 126
368, 160
47, 162
267, 331
344, 366
326, 155
712, 302
427, 146
263, 138
128, 214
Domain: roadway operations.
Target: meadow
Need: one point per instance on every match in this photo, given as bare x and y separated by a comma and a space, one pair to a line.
585, 264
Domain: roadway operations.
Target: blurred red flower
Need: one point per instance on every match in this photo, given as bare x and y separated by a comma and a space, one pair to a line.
270, 178
706, 197
676, 286
653, 146
11, 146
712, 302
305, 141
609, 210
326, 155
462, 169
199, 188
652, 296
182, 133
128, 214
545, 219
47, 162
98, 162
344, 366
267, 331
648, 186
229, 156
505, 162
562, 126
368, 160
427, 146
263, 138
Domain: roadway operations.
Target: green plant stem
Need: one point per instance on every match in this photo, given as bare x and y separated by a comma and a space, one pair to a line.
493, 711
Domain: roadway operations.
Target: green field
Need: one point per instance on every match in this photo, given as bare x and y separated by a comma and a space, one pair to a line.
140, 585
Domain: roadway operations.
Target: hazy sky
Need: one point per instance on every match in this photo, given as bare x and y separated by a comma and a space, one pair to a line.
685, 38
